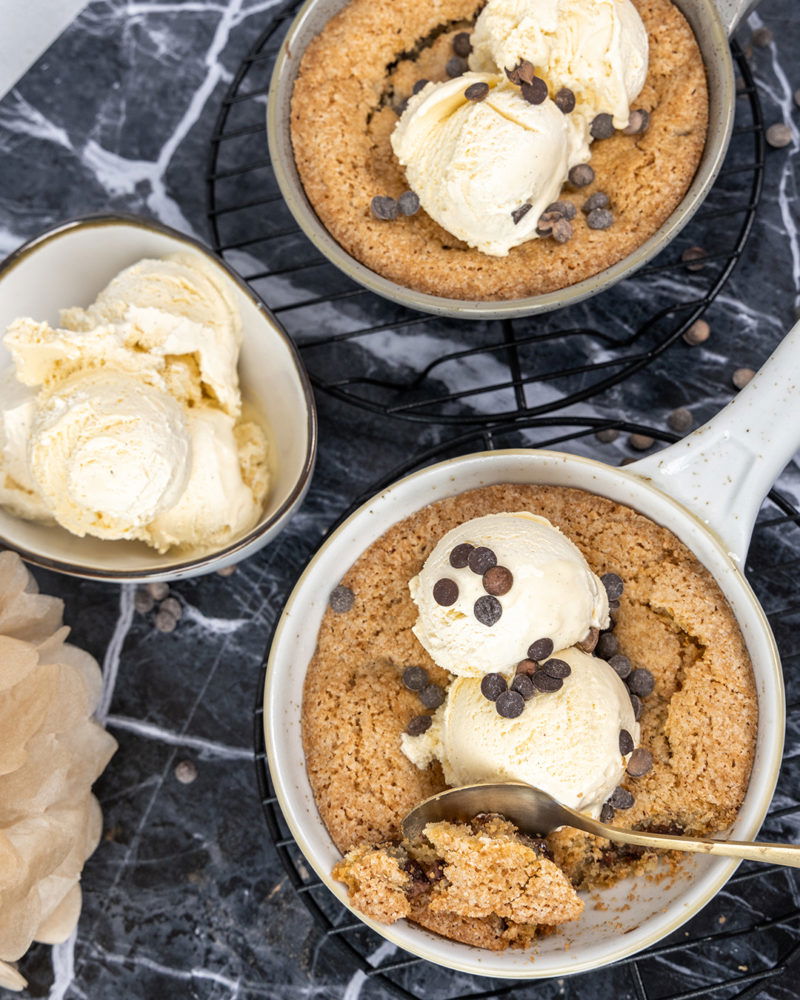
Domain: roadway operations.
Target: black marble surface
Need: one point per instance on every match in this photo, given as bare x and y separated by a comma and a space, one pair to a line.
186, 896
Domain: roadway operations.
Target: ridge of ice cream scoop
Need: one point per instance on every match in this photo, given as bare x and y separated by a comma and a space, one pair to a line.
565, 742
476, 166
554, 595
596, 48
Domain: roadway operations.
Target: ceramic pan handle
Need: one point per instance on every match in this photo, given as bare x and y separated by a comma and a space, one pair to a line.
731, 12
722, 471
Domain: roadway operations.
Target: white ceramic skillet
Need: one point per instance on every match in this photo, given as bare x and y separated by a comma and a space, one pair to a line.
707, 490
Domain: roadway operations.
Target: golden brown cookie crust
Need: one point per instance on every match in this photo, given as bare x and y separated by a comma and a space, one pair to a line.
342, 117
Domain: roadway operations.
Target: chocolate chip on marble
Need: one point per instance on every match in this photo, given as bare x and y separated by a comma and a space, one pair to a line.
459, 557
528, 667
638, 122
641, 682
418, 725
526, 71
641, 442
143, 601
613, 584
158, 591
680, 420
590, 641
565, 100
519, 213
523, 685
477, 92
636, 705
698, 333
607, 646
762, 37
493, 685
462, 44
621, 798
341, 599
602, 126
418, 86
779, 135
600, 218
456, 66
384, 208
557, 668
445, 592
488, 610
481, 559
408, 203
607, 435
497, 581
534, 92
741, 377
625, 742
606, 813
694, 258
640, 762
432, 695
564, 208
172, 606
581, 175
598, 200
165, 622
540, 649
510, 704
186, 771
543, 681
415, 678
621, 665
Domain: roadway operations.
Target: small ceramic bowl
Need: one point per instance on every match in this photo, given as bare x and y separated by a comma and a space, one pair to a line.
68, 265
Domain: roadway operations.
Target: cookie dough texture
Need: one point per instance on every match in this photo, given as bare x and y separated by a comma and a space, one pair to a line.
343, 115
699, 724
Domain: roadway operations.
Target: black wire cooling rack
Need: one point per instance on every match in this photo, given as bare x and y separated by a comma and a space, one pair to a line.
746, 942
453, 371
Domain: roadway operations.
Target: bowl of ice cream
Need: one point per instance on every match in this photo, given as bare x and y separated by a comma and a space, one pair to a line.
156, 421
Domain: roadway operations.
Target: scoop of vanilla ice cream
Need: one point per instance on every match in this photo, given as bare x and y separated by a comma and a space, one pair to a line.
565, 742
18, 493
472, 164
554, 595
108, 453
597, 48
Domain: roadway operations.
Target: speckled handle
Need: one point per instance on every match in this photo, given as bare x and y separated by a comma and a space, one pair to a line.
723, 470
731, 12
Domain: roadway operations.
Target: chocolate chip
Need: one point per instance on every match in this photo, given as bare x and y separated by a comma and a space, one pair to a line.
621, 665
523, 685
561, 231
641, 442
526, 71
535, 92
600, 218
636, 704
641, 682
172, 606
621, 798
384, 208
680, 420
762, 37
625, 742
456, 67
510, 704
445, 592
694, 258
557, 668
341, 599
638, 122
488, 610
565, 208
419, 85
418, 725
698, 333
459, 557
186, 771
143, 601
477, 92
497, 581
581, 175
613, 585
415, 678
521, 212
419, 881
602, 127
527, 667
165, 622
462, 44
543, 681
493, 685
540, 649
432, 696
545, 223
741, 377
158, 591
399, 109
598, 200
607, 646
513, 75
640, 762
408, 203
590, 641
606, 813
481, 559
607, 435
565, 100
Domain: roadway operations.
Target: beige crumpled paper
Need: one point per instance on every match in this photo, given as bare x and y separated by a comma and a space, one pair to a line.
51, 752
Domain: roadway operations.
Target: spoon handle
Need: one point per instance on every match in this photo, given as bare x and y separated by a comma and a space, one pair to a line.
774, 854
